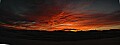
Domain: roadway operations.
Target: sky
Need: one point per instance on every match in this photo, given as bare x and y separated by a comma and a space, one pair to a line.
60, 14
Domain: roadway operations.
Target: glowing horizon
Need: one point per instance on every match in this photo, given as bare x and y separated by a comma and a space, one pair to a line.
61, 14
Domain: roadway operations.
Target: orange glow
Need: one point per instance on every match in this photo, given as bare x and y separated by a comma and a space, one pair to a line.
62, 21
70, 17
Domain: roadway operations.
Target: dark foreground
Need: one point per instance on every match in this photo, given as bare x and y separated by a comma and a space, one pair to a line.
16, 37
107, 41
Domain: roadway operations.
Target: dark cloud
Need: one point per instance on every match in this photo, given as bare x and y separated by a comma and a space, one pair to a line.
81, 13
102, 19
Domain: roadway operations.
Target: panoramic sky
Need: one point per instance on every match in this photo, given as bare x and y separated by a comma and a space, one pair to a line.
60, 14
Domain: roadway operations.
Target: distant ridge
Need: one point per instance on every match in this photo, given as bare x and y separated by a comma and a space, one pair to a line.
59, 35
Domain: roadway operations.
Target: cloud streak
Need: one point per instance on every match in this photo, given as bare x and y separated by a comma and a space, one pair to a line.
62, 14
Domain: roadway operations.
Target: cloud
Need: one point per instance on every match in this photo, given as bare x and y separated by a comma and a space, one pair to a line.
61, 14
87, 21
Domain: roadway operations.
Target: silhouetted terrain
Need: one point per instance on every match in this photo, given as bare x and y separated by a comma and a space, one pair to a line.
55, 36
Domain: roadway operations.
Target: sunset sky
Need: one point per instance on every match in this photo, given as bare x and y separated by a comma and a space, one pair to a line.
60, 14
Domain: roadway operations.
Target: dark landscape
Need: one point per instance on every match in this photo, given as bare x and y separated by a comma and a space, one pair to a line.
25, 37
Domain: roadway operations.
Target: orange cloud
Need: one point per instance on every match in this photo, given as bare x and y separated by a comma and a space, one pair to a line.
68, 16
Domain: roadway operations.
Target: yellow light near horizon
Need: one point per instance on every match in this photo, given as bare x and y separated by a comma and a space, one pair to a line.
73, 30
